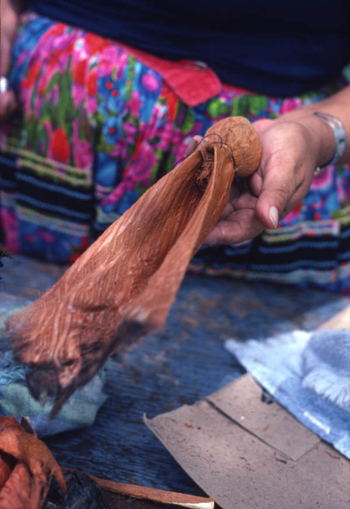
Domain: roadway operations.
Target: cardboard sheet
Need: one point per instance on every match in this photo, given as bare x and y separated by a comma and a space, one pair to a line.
269, 422
267, 460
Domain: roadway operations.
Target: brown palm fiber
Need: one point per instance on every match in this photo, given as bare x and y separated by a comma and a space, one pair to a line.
123, 286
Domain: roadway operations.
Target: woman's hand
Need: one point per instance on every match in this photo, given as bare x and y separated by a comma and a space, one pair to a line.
291, 150
9, 20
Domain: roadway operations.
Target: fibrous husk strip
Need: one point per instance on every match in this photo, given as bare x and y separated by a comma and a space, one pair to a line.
123, 286
26, 467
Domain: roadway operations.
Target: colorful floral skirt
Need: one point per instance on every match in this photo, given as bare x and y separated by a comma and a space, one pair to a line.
98, 127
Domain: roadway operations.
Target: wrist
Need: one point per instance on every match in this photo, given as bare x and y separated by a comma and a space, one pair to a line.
323, 137
339, 134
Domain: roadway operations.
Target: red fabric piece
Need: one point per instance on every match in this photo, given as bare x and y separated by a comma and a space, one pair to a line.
193, 82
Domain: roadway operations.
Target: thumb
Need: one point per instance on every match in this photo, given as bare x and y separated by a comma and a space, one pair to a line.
277, 190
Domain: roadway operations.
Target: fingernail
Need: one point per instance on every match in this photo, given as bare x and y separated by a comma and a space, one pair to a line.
273, 215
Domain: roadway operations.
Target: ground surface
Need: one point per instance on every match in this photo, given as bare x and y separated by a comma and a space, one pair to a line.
178, 366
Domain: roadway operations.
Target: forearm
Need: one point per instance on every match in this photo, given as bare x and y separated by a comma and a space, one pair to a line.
10, 11
9, 17
337, 105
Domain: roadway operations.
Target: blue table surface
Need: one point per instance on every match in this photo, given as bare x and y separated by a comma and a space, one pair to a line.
178, 366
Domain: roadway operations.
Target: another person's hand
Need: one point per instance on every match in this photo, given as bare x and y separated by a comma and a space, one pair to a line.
291, 150
7, 97
9, 20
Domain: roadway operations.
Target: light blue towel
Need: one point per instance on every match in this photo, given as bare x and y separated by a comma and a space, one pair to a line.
15, 399
309, 374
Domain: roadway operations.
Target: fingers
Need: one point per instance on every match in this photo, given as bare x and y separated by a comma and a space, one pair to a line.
235, 231
256, 184
278, 186
193, 144
238, 223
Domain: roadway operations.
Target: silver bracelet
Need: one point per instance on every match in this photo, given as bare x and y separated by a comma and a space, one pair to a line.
4, 85
339, 138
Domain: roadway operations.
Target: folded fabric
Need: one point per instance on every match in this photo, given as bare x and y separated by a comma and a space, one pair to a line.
15, 399
309, 374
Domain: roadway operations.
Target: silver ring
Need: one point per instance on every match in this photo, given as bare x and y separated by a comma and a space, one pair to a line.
4, 85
